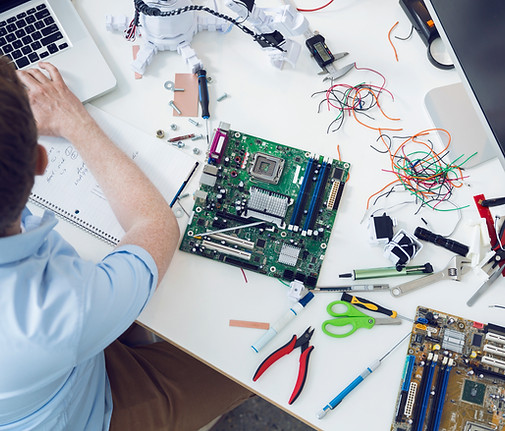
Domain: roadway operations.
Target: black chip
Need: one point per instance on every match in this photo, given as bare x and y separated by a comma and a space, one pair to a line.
338, 173
477, 340
200, 222
311, 281
288, 275
261, 243
300, 277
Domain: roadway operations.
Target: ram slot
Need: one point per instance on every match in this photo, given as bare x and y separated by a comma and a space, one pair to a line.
318, 190
226, 250
319, 198
441, 398
431, 418
424, 393
302, 196
407, 376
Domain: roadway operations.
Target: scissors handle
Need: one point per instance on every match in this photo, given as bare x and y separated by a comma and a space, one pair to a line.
351, 317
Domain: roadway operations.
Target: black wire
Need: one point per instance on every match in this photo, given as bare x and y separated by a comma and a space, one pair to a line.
408, 37
389, 145
141, 7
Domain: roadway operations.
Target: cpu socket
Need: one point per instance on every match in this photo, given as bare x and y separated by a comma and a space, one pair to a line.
266, 168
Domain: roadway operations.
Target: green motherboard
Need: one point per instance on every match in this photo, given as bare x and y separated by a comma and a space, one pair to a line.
265, 207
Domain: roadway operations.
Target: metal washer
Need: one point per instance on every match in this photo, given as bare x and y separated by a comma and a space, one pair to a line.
169, 85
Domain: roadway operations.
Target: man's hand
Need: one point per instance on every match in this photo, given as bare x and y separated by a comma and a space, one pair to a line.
56, 109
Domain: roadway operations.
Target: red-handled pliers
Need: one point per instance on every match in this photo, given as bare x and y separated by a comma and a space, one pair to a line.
303, 343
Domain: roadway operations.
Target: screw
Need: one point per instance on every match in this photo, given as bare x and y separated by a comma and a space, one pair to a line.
176, 109
173, 126
196, 123
224, 96
196, 150
179, 144
196, 137
160, 133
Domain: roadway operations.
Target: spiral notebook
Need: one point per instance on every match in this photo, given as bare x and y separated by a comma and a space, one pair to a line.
68, 188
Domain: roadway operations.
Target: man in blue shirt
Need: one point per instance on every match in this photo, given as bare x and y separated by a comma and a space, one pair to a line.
59, 312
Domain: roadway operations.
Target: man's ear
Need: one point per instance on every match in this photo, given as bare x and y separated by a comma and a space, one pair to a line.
41, 163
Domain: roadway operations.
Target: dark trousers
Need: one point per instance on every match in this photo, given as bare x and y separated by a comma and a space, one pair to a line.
158, 387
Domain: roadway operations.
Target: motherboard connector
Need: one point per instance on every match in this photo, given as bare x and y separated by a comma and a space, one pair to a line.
219, 142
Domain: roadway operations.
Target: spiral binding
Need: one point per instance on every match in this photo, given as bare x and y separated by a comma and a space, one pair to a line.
74, 219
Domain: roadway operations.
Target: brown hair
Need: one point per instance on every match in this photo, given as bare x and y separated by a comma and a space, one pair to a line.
18, 142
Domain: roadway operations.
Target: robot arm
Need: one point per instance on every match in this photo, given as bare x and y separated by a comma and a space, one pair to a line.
276, 23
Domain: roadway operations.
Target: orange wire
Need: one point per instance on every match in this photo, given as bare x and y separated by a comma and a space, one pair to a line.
376, 193
380, 108
390, 41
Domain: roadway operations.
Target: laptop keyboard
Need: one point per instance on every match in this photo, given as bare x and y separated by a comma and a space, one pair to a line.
30, 36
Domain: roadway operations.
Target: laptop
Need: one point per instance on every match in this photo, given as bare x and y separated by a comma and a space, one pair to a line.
52, 31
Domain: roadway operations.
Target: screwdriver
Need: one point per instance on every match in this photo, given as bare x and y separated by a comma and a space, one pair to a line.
203, 95
369, 370
372, 306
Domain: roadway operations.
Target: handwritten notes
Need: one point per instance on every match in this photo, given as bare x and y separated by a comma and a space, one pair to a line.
69, 189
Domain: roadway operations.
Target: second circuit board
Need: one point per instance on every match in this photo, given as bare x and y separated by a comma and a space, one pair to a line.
454, 377
291, 195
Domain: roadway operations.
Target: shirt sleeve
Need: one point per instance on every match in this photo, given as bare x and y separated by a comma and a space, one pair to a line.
116, 291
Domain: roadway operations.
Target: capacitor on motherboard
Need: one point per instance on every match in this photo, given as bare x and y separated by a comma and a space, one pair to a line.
241, 186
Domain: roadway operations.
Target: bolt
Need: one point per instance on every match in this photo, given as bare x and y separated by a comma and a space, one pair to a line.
224, 96
196, 137
196, 150
179, 144
160, 134
176, 109
173, 126
196, 123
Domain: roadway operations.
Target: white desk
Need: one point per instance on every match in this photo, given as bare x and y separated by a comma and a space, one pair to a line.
197, 298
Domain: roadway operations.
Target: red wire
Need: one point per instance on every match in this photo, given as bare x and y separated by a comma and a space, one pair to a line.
316, 9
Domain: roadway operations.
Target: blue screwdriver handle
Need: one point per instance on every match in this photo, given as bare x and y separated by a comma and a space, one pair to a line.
338, 399
203, 93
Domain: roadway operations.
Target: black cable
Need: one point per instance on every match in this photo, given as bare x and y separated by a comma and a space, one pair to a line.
141, 7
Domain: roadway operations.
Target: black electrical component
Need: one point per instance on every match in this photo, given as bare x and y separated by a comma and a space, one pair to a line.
421, 20
320, 50
449, 244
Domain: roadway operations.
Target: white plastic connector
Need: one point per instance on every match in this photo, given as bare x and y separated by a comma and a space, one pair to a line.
297, 290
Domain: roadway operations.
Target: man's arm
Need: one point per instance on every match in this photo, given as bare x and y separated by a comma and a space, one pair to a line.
140, 208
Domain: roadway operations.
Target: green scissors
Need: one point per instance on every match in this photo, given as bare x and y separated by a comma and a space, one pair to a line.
352, 317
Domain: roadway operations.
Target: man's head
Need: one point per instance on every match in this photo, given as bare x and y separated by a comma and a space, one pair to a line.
18, 146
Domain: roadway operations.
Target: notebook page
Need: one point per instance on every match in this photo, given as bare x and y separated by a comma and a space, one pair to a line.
69, 189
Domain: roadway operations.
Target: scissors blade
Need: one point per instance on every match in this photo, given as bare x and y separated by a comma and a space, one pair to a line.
387, 321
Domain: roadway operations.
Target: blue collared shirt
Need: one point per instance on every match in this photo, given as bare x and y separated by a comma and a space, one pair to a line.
58, 312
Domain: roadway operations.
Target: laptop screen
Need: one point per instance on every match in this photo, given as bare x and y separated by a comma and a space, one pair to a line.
9, 4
